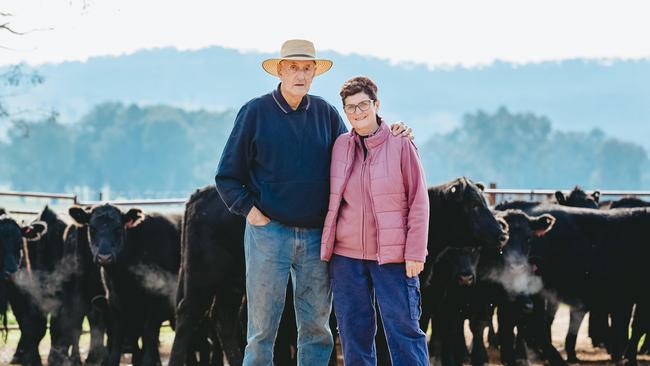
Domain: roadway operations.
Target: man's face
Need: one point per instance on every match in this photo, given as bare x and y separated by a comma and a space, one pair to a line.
296, 76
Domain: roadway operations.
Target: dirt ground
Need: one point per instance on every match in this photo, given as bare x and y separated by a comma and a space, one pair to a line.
586, 353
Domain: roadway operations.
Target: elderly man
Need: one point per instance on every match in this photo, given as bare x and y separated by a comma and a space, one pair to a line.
274, 171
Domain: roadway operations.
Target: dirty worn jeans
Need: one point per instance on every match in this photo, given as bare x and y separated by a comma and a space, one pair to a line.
273, 252
357, 284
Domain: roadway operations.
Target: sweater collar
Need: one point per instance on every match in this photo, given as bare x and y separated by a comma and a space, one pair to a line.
284, 106
376, 138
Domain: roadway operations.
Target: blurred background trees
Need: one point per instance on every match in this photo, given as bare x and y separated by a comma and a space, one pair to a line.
162, 151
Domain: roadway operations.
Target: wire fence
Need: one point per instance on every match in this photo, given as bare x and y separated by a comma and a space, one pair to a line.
31, 203
20, 206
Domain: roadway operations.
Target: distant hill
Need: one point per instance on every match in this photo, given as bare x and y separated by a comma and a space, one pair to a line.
576, 95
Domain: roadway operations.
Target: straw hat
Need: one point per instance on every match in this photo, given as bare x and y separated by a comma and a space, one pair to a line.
297, 50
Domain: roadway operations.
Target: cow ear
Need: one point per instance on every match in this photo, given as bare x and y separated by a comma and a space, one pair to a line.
481, 186
559, 196
596, 196
133, 218
503, 223
34, 231
542, 224
2, 211
79, 215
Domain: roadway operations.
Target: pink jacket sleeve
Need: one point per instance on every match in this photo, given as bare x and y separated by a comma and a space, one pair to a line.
418, 203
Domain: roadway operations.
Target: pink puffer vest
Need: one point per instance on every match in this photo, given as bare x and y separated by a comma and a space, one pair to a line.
399, 198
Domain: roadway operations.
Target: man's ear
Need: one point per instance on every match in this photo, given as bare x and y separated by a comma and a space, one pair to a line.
560, 197
80, 215
133, 218
542, 224
278, 68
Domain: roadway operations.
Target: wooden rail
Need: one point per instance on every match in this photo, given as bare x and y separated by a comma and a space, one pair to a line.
493, 192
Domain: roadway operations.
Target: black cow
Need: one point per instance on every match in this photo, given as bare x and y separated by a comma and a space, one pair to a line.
458, 214
576, 198
641, 312
597, 317
596, 258
204, 345
454, 299
16, 278
212, 271
11, 252
83, 297
625, 202
599, 328
518, 286
629, 202
43, 288
139, 257
212, 281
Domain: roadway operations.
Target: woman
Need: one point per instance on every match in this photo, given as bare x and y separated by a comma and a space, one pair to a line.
375, 233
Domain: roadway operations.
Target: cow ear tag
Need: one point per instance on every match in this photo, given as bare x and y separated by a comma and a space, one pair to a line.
540, 232
134, 217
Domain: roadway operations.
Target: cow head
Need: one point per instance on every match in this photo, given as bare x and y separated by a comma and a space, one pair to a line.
107, 227
471, 220
522, 230
629, 202
11, 252
11, 243
578, 198
460, 264
517, 272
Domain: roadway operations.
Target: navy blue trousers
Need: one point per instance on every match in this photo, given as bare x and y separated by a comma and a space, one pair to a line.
355, 286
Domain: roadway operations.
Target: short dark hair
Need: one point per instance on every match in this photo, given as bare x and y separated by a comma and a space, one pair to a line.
358, 84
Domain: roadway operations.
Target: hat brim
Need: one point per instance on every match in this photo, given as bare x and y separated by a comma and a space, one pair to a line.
322, 65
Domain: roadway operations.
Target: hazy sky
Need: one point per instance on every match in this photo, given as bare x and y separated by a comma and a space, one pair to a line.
434, 32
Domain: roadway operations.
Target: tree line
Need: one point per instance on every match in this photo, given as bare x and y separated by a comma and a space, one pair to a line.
522, 150
161, 151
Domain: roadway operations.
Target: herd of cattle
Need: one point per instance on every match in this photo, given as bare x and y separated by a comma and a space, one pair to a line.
128, 272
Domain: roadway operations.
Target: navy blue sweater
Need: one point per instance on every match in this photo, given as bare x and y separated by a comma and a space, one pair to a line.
278, 159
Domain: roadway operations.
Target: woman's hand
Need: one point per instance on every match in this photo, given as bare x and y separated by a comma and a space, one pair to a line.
413, 268
400, 128
255, 217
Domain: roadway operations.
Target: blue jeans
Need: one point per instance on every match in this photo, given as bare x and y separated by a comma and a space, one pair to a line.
356, 284
273, 252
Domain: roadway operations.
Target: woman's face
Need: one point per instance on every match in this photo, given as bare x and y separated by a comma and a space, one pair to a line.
363, 121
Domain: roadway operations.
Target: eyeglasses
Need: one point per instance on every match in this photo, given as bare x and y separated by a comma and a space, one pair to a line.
363, 106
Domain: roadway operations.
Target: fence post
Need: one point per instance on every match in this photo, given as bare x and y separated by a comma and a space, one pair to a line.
492, 198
